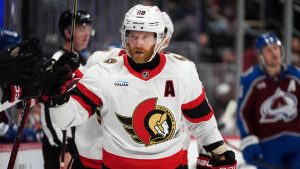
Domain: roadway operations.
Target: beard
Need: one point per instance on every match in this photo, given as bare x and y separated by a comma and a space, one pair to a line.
139, 54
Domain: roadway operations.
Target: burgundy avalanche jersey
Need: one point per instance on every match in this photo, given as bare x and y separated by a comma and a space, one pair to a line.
142, 112
269, 106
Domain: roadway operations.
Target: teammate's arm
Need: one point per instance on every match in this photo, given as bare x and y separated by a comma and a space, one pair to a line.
21, 72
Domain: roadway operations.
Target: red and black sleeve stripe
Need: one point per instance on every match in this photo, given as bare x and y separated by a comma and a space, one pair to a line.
86, 98
197, 110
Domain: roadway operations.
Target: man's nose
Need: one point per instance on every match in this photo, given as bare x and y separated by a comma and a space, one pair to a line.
139, 42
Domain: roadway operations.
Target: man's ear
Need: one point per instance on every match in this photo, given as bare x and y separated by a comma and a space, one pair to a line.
261, 59
67, 33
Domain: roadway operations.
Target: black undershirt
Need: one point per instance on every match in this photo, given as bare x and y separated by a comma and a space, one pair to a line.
145, 66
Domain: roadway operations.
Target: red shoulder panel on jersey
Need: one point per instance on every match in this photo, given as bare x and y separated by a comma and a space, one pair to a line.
91, 163
197, 110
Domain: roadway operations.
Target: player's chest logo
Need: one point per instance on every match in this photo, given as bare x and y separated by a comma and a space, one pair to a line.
280, 106
150, 123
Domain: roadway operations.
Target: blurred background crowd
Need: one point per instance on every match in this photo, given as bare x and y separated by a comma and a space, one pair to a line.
204, 31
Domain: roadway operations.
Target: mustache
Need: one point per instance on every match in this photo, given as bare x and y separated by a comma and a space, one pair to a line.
139, 50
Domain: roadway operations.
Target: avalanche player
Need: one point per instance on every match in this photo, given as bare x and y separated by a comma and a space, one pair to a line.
268, 108
143, 97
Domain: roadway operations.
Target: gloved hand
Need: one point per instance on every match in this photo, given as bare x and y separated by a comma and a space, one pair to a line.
61, 73
55, 93
12, 93
251, 149
224, 161
203, 161
21, 65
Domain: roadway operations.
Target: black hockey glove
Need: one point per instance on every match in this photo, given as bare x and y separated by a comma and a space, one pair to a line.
21, 64
228, 161
12, 93
55, 93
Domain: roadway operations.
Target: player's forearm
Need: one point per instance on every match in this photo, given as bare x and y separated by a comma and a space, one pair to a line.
69, 114
206, 132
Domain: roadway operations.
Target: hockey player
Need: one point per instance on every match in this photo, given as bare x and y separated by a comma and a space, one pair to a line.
52, 141
268, 108
89, 144
142, 95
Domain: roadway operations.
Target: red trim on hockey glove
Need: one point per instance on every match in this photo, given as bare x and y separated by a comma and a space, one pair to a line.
91, 163
114, 161
203, 162
78, 73
16, 92
94, 98
232, 166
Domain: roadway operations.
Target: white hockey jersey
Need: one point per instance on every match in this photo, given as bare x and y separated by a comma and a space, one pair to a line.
89, 144
142, 111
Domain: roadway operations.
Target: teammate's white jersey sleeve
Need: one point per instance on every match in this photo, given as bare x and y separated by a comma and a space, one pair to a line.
5, 105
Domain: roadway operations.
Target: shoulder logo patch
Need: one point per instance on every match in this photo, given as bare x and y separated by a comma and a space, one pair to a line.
110, 61
179, 57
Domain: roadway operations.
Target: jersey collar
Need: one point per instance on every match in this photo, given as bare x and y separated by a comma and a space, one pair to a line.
146, 74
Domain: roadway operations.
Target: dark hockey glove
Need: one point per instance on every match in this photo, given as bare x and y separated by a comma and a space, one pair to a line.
60, 80
203, 161
18, 65
224, 161
12, 93
63, 97
61, 73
